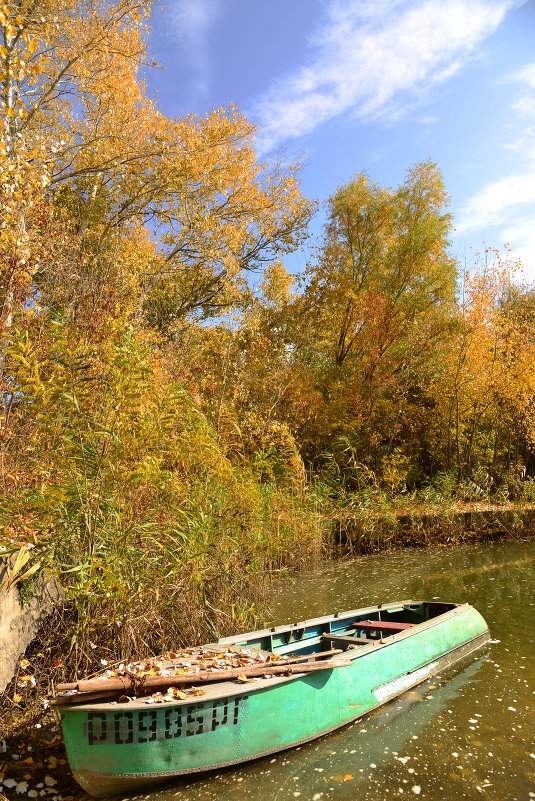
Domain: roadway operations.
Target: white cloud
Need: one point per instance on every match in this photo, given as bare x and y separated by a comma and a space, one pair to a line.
190, 24
507, 203
525, 75
373, 58
525, 102
493, 204
524, 105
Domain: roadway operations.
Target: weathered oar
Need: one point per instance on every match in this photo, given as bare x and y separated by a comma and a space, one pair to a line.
117, 683
97, 689
84, 698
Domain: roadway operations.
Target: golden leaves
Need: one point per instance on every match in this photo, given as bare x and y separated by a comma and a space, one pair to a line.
176, 692
490, 369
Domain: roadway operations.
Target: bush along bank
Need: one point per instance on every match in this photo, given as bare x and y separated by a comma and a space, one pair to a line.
446, 512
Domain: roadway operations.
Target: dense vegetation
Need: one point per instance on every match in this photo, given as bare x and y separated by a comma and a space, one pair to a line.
179, 415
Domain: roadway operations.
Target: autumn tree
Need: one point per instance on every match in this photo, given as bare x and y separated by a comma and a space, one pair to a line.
252, 382
199, 212
88, 161
69, 91
221, 214
114, 213
485, 383
378, 298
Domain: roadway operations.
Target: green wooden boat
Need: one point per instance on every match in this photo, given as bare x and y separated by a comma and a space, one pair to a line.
385, 650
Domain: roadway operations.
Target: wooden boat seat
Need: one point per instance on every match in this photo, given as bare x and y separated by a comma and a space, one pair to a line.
345, 639
382, 625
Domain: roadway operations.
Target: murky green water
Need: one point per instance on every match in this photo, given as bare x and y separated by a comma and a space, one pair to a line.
468, 735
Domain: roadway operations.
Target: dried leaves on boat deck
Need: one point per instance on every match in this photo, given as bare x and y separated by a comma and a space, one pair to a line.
188, 661
180, 670
192, 660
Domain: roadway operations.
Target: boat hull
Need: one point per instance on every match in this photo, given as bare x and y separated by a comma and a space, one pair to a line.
116, 748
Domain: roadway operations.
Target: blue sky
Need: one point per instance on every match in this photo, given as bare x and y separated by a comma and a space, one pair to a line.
373, 85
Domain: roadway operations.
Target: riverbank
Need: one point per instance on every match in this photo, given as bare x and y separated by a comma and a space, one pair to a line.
426, 525
33, 750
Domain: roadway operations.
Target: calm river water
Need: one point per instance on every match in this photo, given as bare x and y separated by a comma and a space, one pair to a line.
469, 734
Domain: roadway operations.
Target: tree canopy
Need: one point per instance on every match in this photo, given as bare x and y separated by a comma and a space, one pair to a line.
179, 411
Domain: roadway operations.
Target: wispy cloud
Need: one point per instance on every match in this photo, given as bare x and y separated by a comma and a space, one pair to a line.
190, 24
372, 60
508, 206
525, 75
508, 202
494, 202
525, 102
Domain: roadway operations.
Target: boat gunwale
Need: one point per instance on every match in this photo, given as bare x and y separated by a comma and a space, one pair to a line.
230, 689
239, 639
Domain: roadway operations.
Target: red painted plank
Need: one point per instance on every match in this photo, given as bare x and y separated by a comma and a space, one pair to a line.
381, 625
